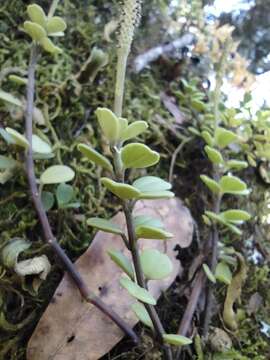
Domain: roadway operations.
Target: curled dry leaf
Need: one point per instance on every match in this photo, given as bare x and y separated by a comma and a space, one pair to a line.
79, 331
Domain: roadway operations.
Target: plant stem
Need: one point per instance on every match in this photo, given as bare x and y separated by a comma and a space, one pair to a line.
86, 293
141, 280
120, 81
53, 7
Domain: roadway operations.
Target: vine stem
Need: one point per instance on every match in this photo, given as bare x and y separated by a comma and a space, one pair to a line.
127, 208
86, 293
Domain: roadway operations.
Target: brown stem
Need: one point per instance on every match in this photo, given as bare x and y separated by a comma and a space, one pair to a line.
213, 264
141, 280
198, 286
86, 293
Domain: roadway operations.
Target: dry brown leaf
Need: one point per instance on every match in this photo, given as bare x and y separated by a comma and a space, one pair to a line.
71, 329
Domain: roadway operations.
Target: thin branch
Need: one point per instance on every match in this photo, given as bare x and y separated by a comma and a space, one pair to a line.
86, 293
133, 244
198, 286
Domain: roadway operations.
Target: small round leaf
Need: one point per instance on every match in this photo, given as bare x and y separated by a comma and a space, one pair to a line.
223, 273
177, 340
209, 273
40, 146
49, 46
64, 194
133, 130
95, 156
150, 232
142, 314
211, 184
155, 265
9, 98
56, 25
122, 261
224, 137
47, 199
109, 123
57, 174
123, 191
137, 291
233, 185
214, 155
35, 31
151, 184
138, 156
37, 15
18, 138
104, 225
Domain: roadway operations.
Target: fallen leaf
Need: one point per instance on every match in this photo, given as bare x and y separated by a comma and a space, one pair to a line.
71, 329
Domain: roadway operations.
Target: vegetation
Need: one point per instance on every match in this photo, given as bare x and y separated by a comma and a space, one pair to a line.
201, 152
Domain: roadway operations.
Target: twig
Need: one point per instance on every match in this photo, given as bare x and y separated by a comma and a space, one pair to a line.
86, 293
176, 152
198, 286
213, 264
153, 54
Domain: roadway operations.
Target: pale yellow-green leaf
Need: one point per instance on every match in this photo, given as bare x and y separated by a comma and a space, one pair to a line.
233, 185
95, 156
133, 130
213, 155
35, 31
49, 46
40, 146
137, 291
109, 123
57, 174
123, 191
139, 156
155, 265
211, 184
224, 137
104, 225
150, 232
9, 98
177, 340
55, 25
209, 273
18, 138
37, 15
122, 261
142, 314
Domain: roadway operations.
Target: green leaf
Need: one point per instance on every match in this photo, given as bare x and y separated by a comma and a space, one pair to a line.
145, 220
7, 97
223, 273
64, 194
47, 199
198, 105
95, 156
233, 185
55, 25
237, 164
211, 184
109, 123
151, 184
142, 314
219, 218
123, 124
7, 163
35, 31
236, 216
224, 137
49, 46
123, 191
209, 273
122, 261
104, 225
37, 15
133, 130
138, 156
18, 138
156, 195
208, 138
18, 80
214, 155
11, 251
57, 174
155, 265
149, 232
137, 291
177, 340
40, 146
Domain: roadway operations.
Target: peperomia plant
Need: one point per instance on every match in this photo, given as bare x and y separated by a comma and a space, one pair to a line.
149, 264
34, 147
218, 138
